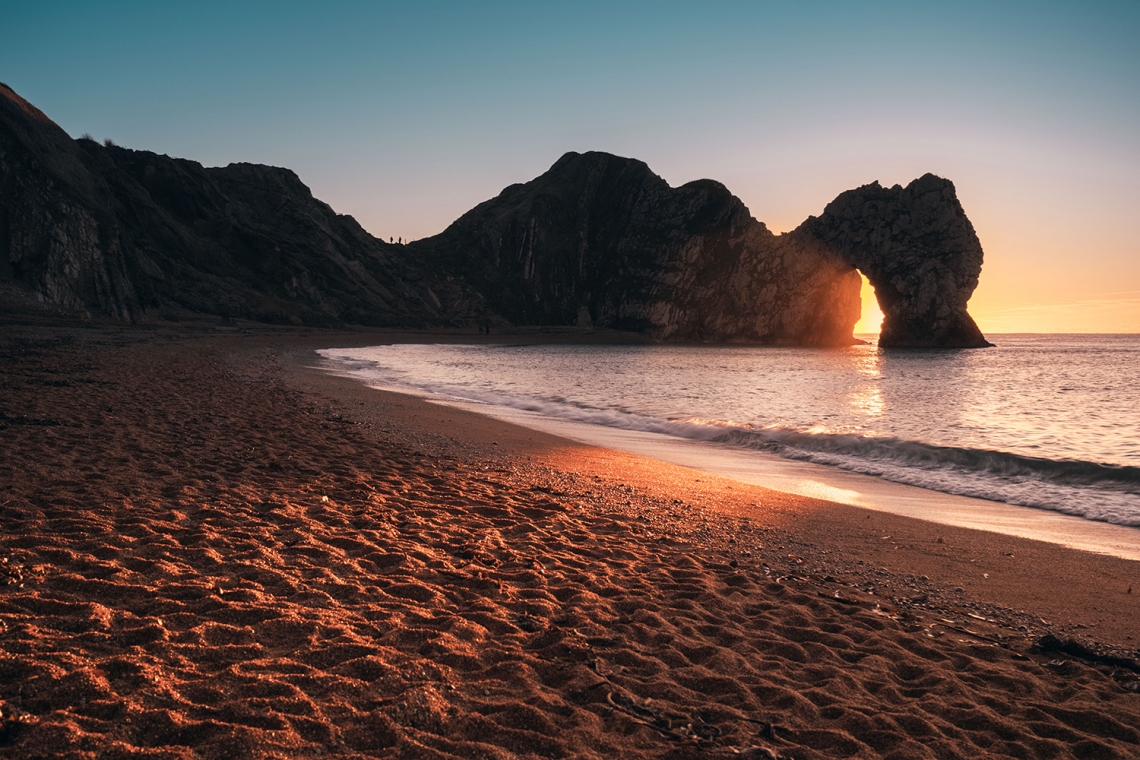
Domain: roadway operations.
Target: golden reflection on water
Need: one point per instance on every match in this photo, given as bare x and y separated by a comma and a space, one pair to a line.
867, 398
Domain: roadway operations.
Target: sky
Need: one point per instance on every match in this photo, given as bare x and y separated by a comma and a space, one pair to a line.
405, 115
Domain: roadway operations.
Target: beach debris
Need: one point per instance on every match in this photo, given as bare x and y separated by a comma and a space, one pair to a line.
950, 625
759, 753
11, 574
646, 716
1133, 686
529, 623
12, 719
1051, 643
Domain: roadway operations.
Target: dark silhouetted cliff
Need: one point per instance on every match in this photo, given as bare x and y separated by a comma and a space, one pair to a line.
602, 240
103, 229
918, 250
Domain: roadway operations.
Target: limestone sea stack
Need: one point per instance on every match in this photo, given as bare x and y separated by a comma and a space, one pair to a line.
596, 241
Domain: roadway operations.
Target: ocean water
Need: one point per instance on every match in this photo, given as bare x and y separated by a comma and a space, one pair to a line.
1044, 421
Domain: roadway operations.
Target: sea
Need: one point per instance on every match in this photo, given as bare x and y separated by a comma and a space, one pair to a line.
1047, 425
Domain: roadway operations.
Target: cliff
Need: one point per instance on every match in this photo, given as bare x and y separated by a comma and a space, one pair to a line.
602, 240
597, 240
101, 229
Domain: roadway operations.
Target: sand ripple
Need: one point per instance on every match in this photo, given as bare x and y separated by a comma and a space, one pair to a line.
200, 561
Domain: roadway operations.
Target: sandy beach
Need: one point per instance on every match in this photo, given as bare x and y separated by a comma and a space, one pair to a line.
210, 549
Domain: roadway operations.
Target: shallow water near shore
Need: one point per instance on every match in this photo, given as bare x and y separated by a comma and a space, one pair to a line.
1046, 422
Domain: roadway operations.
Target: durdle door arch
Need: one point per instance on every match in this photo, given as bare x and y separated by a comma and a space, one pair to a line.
919, 252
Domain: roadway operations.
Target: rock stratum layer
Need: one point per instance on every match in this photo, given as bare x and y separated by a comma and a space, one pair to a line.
596, 241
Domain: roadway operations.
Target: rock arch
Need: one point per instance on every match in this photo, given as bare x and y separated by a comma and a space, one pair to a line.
919, 252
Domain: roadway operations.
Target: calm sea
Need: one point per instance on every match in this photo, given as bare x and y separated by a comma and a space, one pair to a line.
1045, 421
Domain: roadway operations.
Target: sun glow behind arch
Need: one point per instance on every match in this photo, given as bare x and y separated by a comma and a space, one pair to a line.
871, 317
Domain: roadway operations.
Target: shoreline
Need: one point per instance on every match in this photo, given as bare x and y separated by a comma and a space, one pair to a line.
829, 483
909, 546
211, 550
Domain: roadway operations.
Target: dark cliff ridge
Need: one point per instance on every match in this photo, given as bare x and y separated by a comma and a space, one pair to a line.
601, 240
101, 229
597, 240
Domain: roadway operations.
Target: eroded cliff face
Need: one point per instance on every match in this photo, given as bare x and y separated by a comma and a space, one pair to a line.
597, 240
918, 250
100, 229
602, 240
56, 242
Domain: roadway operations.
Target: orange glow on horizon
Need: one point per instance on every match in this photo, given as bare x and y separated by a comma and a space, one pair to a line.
1098, 313
871, 318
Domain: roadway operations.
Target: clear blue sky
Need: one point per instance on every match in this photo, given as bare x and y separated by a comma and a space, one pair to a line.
406, 115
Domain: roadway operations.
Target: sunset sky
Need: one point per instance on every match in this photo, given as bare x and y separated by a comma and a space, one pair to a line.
406, 115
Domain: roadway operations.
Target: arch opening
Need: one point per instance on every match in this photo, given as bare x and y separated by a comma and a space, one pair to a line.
870, 316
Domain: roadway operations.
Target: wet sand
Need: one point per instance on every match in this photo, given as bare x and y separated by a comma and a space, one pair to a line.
209, 550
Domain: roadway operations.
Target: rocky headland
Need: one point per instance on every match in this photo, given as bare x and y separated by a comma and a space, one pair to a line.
597, 241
